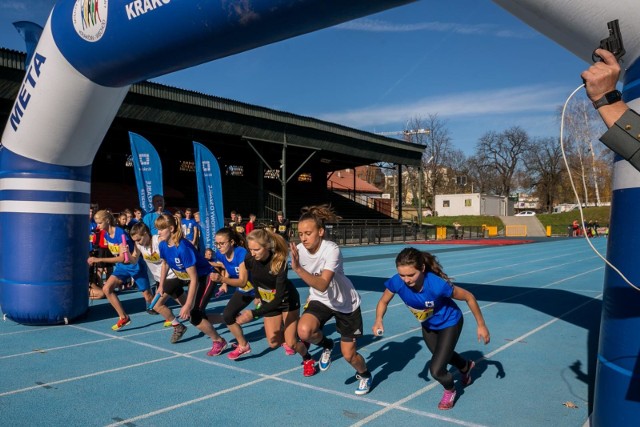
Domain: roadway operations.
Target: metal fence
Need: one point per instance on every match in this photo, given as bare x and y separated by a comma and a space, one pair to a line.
374, 232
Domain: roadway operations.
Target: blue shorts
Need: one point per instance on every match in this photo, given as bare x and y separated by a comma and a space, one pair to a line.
137, 272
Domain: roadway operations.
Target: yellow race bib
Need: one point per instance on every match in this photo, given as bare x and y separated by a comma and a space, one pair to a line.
267, 295
421, 315
246, 288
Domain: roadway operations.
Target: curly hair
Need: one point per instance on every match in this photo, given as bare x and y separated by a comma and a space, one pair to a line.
319, 214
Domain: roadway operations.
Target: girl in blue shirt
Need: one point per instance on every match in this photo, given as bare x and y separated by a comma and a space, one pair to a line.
428, 294
123, 271
230, 256
179, 255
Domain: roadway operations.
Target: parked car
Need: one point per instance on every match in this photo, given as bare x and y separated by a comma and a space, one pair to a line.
525, 213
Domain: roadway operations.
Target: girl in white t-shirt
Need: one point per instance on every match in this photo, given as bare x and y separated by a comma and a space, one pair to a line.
318, 262
147, 249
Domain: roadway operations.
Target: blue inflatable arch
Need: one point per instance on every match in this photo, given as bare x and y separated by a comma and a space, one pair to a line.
89, 53
92, 50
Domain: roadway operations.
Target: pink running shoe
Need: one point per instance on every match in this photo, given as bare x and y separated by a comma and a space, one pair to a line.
288, 350
218, 347
239, 351
448, 400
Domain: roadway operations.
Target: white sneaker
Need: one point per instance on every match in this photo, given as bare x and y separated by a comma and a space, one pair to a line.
325, 359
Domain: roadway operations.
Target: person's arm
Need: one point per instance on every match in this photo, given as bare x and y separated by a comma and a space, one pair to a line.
240, 282
164, 270
196, 235
381, 310
319, 283
601, 78
464, 295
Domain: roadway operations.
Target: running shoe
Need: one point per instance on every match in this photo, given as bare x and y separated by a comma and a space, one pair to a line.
365, 384
239, 351
151, 311
466, 376
167, 323
325, 359
121, 323
448, 399
309, 368
218, 347
288, 350
178, 332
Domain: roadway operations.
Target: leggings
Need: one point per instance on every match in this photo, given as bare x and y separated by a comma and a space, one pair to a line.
205, 289
238, 302
442, 344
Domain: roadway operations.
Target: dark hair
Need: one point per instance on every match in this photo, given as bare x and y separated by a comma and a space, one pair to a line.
421, 260
320, 214
231, 234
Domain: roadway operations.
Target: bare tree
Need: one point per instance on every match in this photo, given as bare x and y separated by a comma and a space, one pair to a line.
544, 170
438, 153
582, 125
503, 151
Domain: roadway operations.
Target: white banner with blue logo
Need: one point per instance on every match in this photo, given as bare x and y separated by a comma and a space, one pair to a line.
148, 169
209, 193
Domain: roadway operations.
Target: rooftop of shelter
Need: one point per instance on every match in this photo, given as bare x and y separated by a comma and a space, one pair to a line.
198, 113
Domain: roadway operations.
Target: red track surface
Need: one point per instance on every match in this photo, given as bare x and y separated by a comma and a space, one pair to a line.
488, 242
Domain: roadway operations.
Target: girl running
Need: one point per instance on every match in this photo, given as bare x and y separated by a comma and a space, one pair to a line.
279, 299
147, 247
428, 293
179, 255
319, 264
123, 271
231, 256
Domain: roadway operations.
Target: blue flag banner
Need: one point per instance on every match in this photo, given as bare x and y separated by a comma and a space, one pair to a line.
148, 169
209, 193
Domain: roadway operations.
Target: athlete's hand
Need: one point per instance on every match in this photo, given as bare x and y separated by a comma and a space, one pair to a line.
295, 257
483, 334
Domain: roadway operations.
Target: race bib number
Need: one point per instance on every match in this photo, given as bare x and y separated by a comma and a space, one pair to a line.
153, 258
182, 275
421, 315
246, 288
114, 249
267, 295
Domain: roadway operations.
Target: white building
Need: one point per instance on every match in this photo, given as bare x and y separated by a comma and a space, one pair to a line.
471, 204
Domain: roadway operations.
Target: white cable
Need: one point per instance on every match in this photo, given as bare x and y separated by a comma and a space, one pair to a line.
575, 192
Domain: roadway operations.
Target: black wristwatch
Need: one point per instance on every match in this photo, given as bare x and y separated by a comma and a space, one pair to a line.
608, 98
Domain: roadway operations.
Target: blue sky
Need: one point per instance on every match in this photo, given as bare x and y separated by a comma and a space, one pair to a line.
469, 61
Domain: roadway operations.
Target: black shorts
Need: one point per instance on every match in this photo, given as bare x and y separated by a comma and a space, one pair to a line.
174, 287
292, 304
348, 325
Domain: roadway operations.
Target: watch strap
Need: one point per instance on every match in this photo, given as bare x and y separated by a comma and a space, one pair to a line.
608, 98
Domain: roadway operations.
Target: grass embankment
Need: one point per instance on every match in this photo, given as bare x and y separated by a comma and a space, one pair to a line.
465, 220
558, 222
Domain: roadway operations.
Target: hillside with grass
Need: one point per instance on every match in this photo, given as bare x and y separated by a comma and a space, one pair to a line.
558, 222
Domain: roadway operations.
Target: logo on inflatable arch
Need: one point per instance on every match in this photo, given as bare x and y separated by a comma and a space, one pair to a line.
90, 18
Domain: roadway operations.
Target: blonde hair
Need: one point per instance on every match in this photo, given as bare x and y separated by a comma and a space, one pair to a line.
275, 244
167, 221
105, 216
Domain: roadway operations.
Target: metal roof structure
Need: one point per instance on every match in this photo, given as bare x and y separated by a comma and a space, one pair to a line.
239, 134
155, 103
